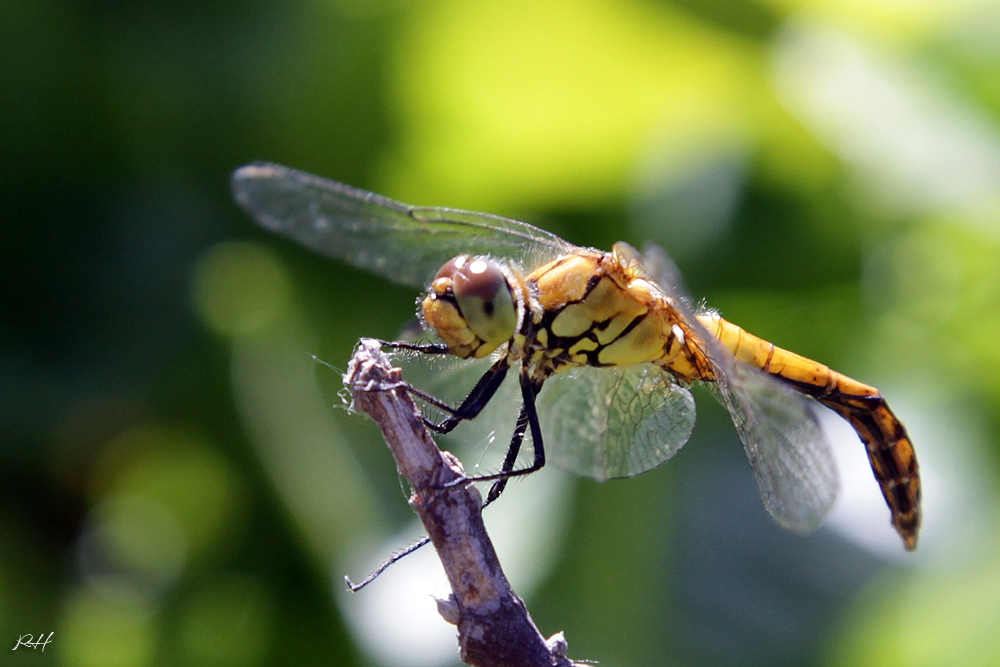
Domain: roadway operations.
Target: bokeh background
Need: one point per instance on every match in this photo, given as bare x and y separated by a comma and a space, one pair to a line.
179, 482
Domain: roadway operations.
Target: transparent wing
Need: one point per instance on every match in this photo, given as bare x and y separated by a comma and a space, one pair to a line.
788, 452
604, 423
406, 244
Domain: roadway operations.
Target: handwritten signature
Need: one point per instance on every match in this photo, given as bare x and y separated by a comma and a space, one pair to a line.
28, 641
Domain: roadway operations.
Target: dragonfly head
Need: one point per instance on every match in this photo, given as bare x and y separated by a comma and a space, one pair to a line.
470, 305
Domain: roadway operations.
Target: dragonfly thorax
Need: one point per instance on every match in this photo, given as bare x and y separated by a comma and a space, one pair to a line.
470, 304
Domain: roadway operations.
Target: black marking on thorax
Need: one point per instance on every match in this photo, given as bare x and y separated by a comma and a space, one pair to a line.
564, 343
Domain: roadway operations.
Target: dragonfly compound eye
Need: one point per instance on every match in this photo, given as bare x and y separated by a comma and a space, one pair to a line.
469, 304
484, 298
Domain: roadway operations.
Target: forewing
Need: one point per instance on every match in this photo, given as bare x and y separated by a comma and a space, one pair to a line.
788, 452
605, 423
406, 244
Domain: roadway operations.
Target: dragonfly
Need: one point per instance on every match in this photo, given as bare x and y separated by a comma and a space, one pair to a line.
613, 338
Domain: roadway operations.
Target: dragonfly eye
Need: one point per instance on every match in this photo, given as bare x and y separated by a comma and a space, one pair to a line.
484, 298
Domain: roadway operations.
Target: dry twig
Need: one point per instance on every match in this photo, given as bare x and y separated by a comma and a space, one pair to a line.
494, 627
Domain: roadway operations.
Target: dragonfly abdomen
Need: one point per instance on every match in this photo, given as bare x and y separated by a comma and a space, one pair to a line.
890, 451
891, 455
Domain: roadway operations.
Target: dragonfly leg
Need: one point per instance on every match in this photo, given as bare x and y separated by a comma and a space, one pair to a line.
513, 449
474, 402
526, 418
399, 555
477, 399
424, 348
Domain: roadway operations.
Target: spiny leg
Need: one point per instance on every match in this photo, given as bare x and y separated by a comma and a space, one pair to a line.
527, 418
474, 402
385, 565
423, 348
477, 399
520, 426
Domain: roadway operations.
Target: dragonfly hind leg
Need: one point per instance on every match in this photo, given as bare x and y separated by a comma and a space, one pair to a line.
527, 418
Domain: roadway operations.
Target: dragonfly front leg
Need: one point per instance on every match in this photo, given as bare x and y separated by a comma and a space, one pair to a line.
424, 348
474, 402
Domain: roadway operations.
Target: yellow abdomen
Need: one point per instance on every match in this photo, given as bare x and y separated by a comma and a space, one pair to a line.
890, 451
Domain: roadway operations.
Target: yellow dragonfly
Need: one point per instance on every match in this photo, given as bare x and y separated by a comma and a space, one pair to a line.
611, 336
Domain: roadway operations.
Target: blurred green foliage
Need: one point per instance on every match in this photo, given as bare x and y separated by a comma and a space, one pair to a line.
176, 487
